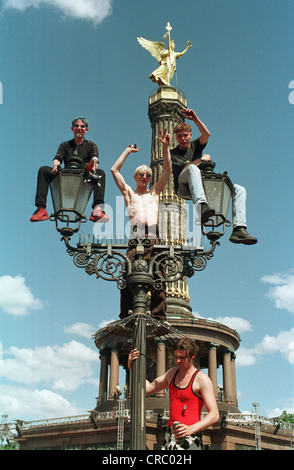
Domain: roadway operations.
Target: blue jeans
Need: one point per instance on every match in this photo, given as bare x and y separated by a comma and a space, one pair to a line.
190, 187
239, 206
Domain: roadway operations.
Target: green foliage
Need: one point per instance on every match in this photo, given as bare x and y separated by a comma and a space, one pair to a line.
287, 417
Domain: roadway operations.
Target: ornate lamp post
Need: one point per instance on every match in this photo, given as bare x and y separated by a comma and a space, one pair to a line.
218, 189
70, 191
109, 262
170, 264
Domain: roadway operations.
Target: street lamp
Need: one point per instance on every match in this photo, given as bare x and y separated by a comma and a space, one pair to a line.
218, 189
70, 191
70, 194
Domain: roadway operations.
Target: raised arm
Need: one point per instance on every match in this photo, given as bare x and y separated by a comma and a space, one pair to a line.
115, 170
192, 116
179, 54
167, 166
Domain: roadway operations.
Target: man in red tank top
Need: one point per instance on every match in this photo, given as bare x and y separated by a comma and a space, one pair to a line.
189, 389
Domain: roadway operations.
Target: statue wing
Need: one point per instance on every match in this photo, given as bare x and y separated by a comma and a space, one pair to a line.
155, 48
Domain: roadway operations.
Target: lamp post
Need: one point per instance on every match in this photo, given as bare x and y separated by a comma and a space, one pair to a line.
218, 189
70, 191
110, 262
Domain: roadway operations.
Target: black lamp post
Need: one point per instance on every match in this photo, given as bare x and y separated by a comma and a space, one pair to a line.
70, 194
218, 189
70, 191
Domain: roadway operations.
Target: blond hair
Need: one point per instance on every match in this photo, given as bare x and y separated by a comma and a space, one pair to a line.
143, 168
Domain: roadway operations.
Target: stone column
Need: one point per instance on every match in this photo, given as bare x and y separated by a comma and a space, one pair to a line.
212, 366
197, 362
160, 366
164, 112
114, 372
227, 376
103, 376
234, 381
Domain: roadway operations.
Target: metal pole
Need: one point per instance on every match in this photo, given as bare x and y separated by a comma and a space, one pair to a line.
140, 283
138, 389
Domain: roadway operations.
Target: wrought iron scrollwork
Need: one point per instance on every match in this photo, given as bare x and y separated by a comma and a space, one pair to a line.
106, 263
197, 261
169, 264
110, 267
167, 267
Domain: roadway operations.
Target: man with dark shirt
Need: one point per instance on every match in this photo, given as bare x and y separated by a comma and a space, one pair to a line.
85, 150
186, 158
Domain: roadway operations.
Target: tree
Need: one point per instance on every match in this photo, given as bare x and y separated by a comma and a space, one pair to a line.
287, 417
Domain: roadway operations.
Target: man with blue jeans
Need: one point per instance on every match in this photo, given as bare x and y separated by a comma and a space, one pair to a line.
186, 158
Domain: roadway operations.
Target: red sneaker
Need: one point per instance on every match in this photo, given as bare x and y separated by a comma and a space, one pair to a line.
39, 215
98, 215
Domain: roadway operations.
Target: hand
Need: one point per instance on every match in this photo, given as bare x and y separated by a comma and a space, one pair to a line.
54, 170
189, 113
133, 148
164, 138
180, 431
133, 355
206, 157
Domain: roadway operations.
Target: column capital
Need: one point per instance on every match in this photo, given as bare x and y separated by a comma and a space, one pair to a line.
227, 351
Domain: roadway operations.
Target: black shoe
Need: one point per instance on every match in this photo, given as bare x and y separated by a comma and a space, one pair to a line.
239, 235
206, 213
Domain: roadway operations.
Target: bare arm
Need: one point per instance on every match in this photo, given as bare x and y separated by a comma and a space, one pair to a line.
167, 166
115, 169
179, 54
204, 132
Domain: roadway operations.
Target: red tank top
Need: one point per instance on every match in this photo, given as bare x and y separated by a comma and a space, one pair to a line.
184, 406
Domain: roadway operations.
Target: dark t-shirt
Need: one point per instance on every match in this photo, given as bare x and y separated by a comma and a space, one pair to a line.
181, 157
87, 150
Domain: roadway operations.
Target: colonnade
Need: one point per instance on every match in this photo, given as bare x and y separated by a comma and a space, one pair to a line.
217, 355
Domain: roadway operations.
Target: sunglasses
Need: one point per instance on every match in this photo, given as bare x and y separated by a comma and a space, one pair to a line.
82, 126
147, 174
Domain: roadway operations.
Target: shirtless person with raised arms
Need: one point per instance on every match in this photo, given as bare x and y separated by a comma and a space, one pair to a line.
143, 205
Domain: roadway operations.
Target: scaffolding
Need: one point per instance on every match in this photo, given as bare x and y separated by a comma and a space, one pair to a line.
11, 431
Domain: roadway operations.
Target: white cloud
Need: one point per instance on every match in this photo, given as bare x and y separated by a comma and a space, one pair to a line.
283, 343
104, 323
93, 10
62, 368
29, 404
245, 357
15, 297
81, 329
275, 412
283, 291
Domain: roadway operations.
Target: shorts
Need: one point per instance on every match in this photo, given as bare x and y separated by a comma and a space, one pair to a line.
193, 442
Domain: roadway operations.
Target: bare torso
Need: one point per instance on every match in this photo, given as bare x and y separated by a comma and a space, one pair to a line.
142, 208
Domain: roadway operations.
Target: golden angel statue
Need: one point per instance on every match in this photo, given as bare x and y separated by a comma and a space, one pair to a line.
166, 57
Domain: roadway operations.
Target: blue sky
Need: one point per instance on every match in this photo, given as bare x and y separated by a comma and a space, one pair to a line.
62, 59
